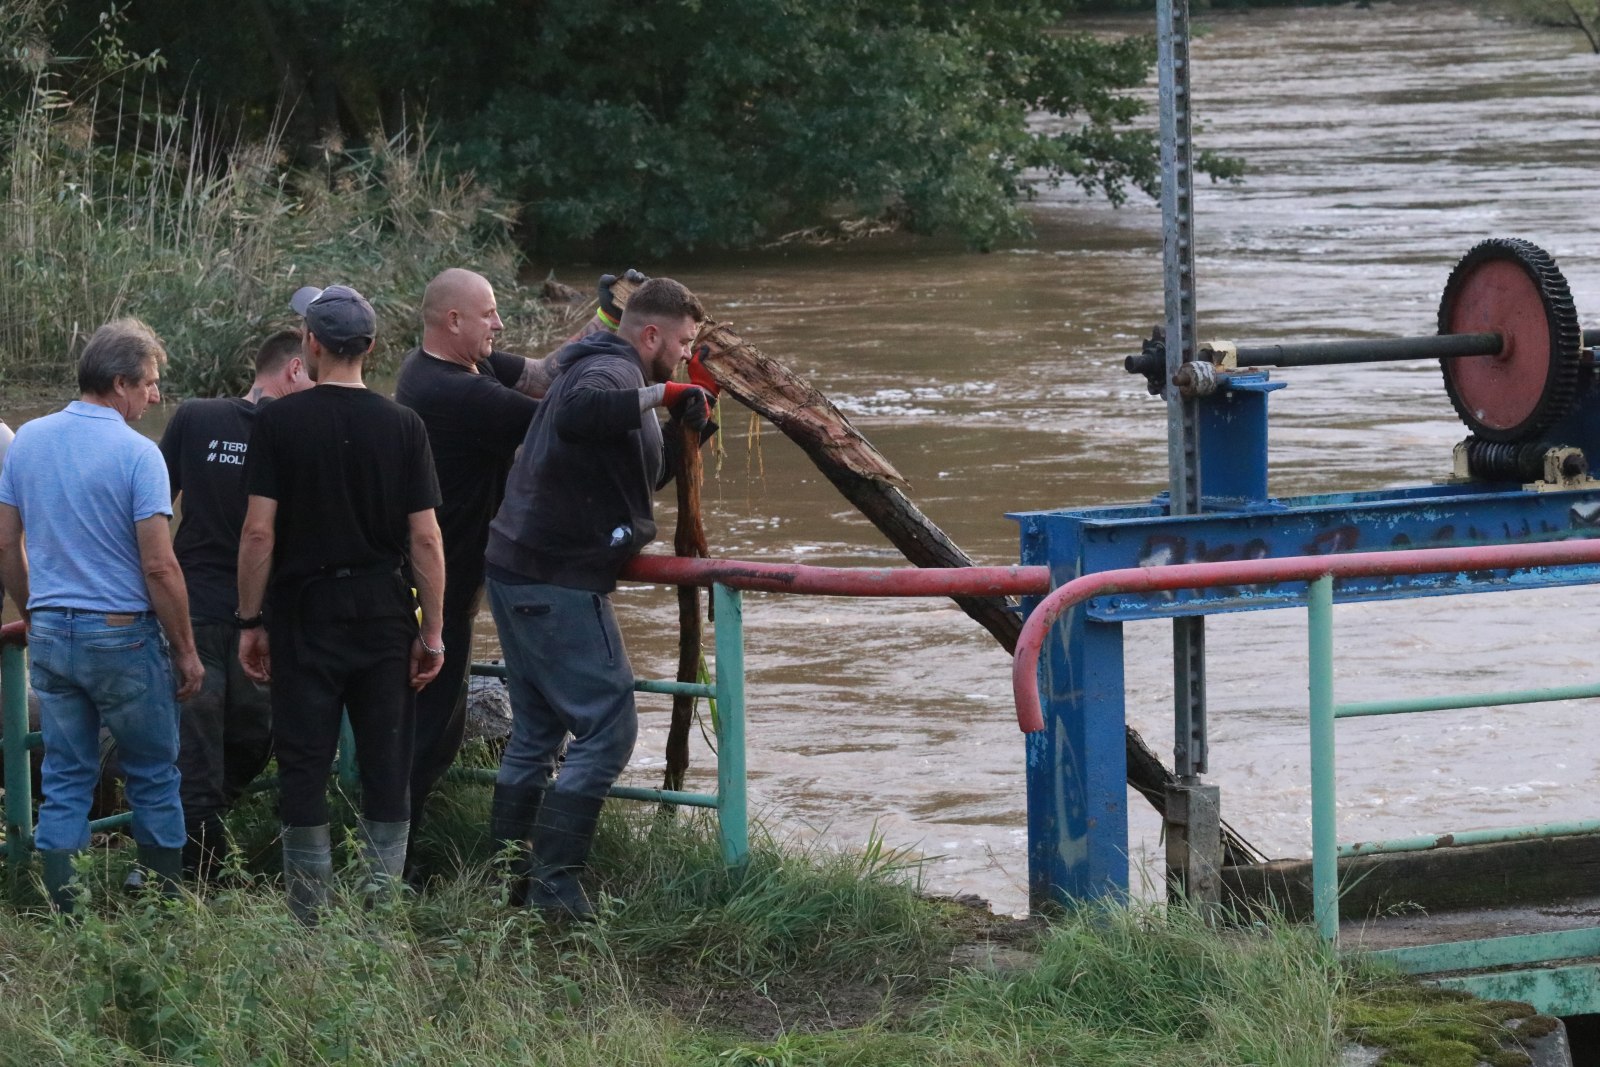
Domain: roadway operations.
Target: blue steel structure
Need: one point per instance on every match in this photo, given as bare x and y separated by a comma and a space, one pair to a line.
1076, 767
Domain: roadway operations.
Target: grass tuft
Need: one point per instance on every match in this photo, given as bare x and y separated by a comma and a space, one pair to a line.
811, 957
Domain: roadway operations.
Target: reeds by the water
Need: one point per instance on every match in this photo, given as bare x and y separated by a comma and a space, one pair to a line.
111, 204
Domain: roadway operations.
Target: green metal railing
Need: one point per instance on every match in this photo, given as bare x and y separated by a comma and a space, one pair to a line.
730, 801
727, 689
1560, 990
1564, 990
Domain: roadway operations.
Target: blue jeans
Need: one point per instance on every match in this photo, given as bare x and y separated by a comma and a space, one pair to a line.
92, 670
568, 673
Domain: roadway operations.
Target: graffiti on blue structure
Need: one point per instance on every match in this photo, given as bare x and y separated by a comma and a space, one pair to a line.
1165, 549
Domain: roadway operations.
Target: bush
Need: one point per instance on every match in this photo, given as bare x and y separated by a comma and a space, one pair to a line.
132, 215
633, 130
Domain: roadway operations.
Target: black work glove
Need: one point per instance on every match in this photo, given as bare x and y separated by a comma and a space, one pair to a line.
608, 303
689, 404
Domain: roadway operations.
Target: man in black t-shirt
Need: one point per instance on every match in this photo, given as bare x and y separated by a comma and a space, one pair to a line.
225, 730
340, 527
476, 403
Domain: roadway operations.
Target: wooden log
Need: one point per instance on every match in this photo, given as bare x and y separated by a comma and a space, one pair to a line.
688, 540
869, 481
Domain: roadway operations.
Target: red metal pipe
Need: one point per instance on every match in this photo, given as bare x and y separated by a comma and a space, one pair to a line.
13, 633
840, 581
1025, 667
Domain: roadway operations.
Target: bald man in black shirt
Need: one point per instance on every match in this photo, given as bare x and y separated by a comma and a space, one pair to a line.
476, 403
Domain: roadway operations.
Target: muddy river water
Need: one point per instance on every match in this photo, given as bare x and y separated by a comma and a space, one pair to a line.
1382, 144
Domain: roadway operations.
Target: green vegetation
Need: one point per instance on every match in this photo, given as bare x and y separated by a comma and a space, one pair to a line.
626, 129
109, 207
1426, 1027
811, 958
191, 164
1580, 16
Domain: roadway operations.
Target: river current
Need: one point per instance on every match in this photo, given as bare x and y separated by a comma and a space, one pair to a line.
1382, 143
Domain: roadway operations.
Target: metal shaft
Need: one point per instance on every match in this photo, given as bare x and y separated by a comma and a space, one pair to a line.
1183, 451
1326, 353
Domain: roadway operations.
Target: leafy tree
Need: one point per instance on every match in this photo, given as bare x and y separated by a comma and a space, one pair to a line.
680, 124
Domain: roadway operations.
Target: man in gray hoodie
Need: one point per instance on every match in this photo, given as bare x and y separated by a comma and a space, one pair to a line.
577, 508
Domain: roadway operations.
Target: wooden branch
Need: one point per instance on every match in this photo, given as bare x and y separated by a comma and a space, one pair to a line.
1581, 24
786, 400
793, 406
688, 540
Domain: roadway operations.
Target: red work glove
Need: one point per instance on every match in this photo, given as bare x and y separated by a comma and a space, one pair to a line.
689, 404
700, 374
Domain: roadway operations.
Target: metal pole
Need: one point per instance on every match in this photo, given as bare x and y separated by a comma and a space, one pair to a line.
1324, 819
732, 800
1183, 444
1177, 246
19, 776
1194, 822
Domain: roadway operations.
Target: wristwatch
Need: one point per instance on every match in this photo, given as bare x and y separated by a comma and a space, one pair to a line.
247, 624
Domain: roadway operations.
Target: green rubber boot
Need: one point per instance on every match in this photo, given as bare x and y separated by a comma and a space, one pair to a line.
165, 867
383, 849
59, 890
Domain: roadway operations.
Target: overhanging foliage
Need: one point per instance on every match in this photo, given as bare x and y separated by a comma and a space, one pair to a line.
682, 124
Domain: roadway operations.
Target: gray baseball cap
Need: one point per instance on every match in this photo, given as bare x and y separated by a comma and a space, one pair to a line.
340, 317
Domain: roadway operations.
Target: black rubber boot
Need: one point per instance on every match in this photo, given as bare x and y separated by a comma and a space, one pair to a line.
165, 867
307, 870
511, 814
56, 870
204, 851
562, 836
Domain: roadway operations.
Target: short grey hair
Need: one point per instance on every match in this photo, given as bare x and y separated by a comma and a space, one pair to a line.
123, 348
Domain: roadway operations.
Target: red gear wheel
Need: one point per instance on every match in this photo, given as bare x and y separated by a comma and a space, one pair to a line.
1512, 287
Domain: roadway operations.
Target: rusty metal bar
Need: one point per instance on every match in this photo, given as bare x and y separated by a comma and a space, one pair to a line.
840, 581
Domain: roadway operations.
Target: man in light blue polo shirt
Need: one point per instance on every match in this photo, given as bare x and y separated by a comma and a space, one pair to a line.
100, 589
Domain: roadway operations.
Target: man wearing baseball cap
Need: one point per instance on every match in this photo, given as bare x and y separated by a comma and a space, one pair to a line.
339, 529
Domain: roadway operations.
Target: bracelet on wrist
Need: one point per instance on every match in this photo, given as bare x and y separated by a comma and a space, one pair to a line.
429, 649
606, 320
247, 624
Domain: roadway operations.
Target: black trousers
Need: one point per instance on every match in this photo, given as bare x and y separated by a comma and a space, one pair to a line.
442, 704
344, 649
224, 731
